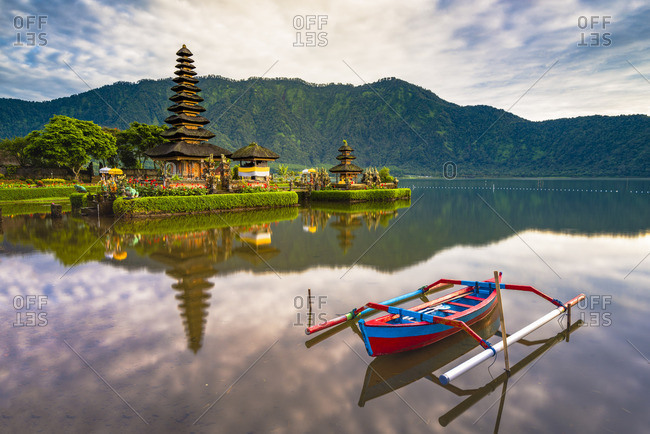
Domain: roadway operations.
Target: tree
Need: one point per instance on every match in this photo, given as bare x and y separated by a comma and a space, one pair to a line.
282, 171
133, 142
15, 148
384, 174
69, 142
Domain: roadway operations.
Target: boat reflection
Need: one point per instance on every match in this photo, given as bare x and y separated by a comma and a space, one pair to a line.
475, 395
387, 374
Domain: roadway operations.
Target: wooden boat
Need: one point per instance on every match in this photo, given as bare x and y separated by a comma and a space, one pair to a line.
408, 329
389, 373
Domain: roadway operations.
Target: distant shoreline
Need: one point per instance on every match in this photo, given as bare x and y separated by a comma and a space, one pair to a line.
525, 178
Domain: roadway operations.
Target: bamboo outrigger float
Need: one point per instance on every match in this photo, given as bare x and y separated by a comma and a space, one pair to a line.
408, 329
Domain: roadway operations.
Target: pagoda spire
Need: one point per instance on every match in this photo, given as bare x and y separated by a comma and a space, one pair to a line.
188, 139
346, 169
186, 123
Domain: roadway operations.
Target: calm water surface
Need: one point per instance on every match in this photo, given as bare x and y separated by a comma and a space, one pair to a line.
196, 324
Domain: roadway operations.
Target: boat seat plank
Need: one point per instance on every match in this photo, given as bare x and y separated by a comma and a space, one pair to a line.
454, 303
471, 297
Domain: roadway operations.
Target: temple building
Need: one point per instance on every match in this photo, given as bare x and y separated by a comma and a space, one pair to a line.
346, 169
254, 162
187, 146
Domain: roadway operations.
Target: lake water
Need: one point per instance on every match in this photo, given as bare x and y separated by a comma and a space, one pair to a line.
196, 324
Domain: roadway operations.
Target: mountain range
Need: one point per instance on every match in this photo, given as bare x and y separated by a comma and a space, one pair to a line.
388, 123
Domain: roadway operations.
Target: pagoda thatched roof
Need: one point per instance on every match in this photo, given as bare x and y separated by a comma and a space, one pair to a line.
184, 96
184, 52
186, 87
180, 132
184, 71
184, 59
180, 80
254, 151
345, 147
180, 118
186, 108
184, 149
184, 66
349, 168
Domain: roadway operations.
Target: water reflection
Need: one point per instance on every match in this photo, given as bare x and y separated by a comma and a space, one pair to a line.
477, 394
123, 314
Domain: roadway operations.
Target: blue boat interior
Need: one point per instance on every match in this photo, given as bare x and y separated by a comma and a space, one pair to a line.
449, 308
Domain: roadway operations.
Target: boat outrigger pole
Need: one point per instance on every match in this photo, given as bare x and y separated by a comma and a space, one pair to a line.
450, 375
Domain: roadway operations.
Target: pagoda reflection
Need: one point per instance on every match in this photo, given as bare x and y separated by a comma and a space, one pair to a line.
347, 218
345, 224
190, 259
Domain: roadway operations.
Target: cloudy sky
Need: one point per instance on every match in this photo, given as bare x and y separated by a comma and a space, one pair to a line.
540, 60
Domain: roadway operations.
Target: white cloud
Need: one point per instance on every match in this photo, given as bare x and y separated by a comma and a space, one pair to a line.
466, 52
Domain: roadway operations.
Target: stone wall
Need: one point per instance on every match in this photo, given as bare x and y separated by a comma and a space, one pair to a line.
42, 172
141, 173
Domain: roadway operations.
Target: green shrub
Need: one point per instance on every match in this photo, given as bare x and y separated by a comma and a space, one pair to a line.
79, 200
360, 195
36, 193
29, 181
197, 204
50, 181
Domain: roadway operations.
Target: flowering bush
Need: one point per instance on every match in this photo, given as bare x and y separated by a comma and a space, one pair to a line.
152, 188
29, 183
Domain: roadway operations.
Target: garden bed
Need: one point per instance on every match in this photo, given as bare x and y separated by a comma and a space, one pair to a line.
352, 196
27, 193
178, 205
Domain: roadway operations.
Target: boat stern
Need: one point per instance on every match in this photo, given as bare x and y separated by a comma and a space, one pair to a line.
364, 334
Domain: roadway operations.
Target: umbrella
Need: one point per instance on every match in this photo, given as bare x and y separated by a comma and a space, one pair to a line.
115, 172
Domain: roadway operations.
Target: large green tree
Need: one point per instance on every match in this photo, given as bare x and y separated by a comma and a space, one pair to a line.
15, 148
133, 142
69, 142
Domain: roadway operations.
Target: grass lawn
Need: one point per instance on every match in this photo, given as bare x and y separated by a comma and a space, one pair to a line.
32, 206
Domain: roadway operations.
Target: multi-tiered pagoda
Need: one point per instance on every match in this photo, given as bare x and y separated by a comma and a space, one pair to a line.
188, 141
346, 170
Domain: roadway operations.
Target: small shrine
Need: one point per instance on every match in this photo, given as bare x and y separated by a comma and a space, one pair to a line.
346, 172
187, 147
254, 162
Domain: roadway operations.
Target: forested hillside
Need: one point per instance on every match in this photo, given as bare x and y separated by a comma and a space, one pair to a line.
388, 123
